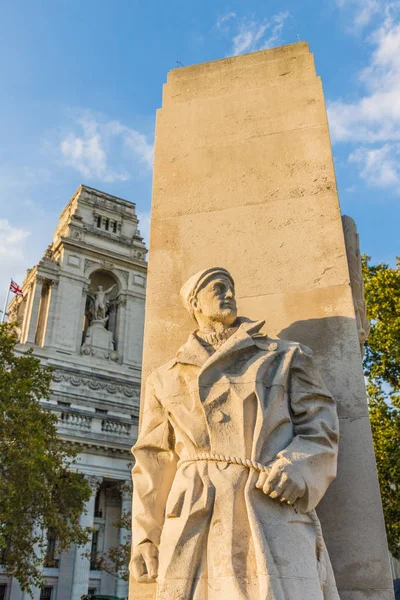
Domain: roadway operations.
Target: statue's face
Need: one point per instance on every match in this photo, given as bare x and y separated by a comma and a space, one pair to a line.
100, 288
216, 301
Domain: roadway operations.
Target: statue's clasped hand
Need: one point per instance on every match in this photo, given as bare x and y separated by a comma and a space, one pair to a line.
282, 482
144, 563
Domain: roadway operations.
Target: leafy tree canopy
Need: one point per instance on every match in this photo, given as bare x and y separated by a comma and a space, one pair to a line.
38, 491
382, 369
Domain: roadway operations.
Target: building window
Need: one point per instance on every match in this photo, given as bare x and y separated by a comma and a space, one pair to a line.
46, 593
3, 591
93, 552
107, 224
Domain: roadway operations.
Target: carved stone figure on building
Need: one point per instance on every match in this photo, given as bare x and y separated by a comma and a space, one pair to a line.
237, 446
101, 302
99, 341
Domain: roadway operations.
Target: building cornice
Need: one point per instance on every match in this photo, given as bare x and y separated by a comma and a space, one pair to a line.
106, 254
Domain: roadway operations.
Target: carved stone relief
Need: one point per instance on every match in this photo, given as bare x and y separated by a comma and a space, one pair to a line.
125, 275
89, 263
129, 391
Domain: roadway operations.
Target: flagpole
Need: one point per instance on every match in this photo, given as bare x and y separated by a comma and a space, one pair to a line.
6, 302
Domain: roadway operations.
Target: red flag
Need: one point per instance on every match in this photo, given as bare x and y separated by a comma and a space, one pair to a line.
15, 289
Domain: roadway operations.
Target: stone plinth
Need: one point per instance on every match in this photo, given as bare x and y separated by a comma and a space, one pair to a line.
244, 179
99, 341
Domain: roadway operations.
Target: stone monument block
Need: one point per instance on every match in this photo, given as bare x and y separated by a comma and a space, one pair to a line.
244, 179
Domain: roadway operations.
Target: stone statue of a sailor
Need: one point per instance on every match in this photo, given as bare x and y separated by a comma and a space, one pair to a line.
238, 444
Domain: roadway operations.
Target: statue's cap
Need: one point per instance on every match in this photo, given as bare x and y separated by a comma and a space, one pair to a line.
196, 282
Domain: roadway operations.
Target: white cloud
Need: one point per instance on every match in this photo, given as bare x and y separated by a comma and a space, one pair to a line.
373, 120
376, 115
250, 35
11, 240
12, 256
362, 11
21, 177
223, 20
99, 144
380, 167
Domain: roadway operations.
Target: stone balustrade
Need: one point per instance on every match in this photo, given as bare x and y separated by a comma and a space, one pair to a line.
75, 420
118, 427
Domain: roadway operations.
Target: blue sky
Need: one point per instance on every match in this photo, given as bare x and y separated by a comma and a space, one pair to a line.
81, 81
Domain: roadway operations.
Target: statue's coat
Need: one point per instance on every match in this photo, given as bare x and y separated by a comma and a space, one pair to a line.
219, 536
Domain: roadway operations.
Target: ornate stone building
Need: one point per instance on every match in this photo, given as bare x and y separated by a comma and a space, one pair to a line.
83, 313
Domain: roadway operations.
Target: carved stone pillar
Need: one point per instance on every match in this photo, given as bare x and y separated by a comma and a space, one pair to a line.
48, 336
15, 592
112, 319
85, 289
80, 581
124, 534
34, 310
121, 330
43, 313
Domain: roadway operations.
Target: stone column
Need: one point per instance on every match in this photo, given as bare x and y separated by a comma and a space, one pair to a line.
15, 592
121, 331
27, 313
80, 582
48, 336
111, 534
124, 534
85, 289
34, 312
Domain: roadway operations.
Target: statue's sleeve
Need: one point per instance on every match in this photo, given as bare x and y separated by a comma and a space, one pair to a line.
313, 451
154, 470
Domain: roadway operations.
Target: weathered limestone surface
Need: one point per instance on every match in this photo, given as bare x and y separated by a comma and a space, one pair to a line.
244, 179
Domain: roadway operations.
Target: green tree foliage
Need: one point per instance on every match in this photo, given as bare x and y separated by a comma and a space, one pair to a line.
382, 291
382, 369
37, 490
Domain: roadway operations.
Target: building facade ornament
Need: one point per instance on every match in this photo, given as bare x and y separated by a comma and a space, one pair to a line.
95, 384
107, 265
94, 482
89, 263
125, 275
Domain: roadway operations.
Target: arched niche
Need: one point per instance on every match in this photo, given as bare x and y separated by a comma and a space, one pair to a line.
109, 283
106, 279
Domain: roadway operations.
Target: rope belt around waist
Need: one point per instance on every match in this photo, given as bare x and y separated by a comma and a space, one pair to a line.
255, 466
